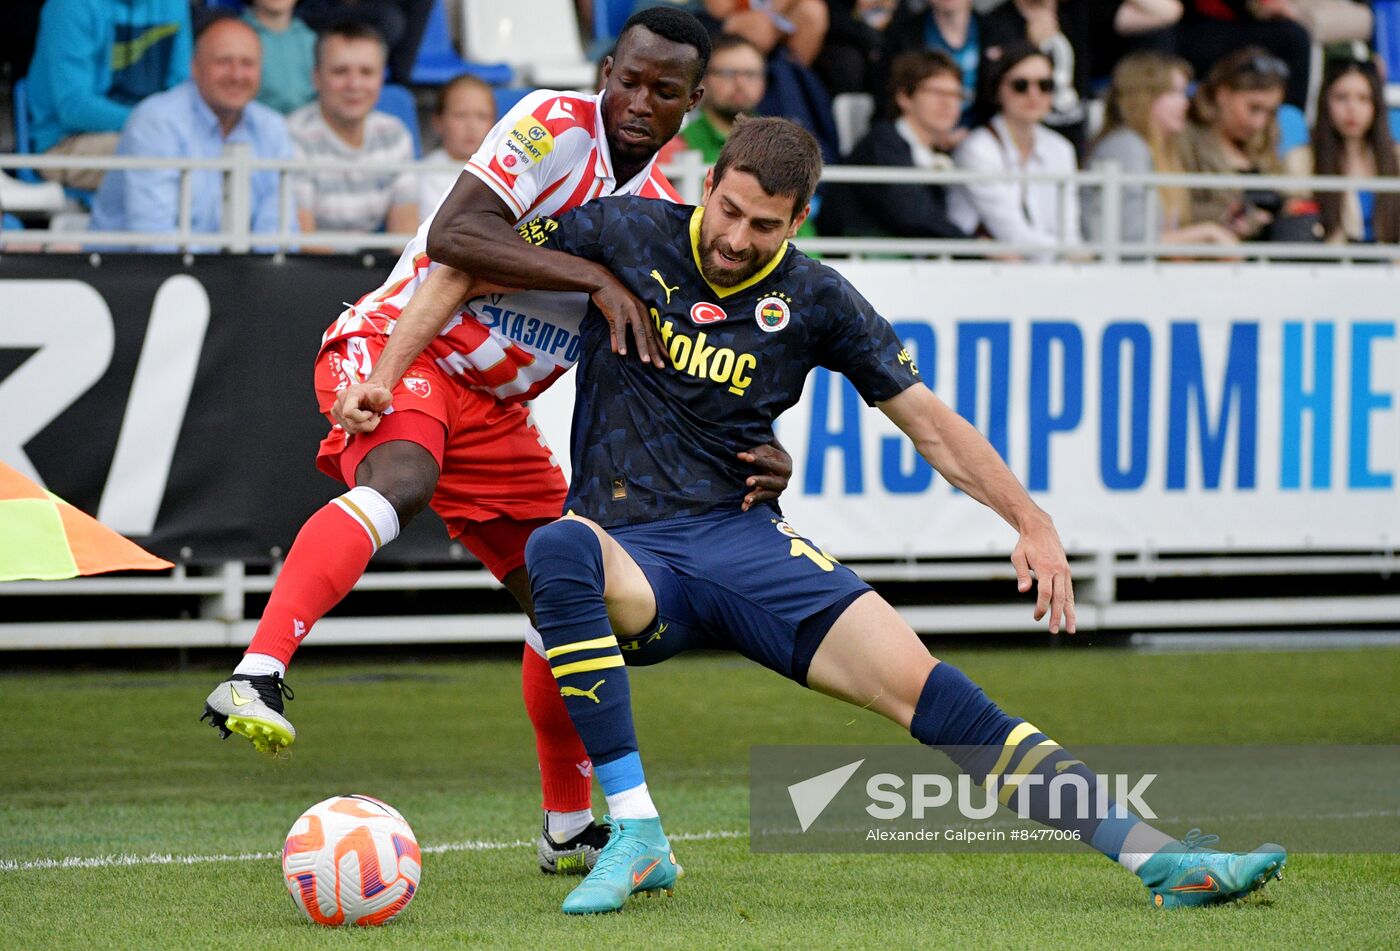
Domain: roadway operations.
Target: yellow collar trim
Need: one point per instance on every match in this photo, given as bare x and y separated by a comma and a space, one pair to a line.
723, 292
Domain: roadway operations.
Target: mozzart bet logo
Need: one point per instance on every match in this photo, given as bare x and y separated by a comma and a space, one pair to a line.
891, 796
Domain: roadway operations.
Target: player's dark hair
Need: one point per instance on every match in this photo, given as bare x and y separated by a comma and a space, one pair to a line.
349, 30
676, 25
781, 154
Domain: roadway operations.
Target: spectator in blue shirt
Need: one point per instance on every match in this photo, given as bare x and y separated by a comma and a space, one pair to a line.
197, 119
93, 61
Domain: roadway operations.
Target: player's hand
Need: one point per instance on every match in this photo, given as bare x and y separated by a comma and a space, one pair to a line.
623, 310
359, 406
1039, 551
774, 467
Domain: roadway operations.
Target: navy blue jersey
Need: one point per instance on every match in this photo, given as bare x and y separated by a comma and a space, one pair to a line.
652, 444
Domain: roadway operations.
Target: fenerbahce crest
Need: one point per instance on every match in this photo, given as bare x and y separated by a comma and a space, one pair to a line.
772, 314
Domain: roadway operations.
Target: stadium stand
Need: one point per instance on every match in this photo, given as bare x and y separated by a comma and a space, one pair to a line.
548, 53
438, 61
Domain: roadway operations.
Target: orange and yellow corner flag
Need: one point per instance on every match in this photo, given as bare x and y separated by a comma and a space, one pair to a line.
44, 538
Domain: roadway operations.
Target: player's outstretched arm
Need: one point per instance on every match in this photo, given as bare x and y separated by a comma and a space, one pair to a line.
359, 406
474, 231
964, 457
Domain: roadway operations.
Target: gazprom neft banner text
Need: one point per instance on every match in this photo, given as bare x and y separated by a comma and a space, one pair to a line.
1183, 407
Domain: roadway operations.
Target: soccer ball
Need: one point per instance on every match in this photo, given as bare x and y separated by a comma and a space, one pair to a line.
351, 860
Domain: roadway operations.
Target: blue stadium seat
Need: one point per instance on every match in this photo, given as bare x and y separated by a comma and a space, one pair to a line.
438, 62
1386, 15
10, 223
507, 98
398, 101
1292, 127
24, 140
608, 17
1395, 123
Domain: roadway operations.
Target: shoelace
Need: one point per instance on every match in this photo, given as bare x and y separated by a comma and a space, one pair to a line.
621, 849
1194, 840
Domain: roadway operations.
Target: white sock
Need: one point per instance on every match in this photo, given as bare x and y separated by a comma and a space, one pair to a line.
634, 803
374, 513
260, 665
1141, 843
563, 826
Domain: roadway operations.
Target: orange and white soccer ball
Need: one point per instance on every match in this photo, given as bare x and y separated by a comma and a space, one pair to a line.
351, 860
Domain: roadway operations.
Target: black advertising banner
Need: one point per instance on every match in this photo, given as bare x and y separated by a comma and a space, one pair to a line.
174, 401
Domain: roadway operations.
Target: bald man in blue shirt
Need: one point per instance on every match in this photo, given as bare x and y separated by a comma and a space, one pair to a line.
198, 119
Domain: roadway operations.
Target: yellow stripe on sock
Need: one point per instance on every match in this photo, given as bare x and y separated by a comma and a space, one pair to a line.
1018, 733
1027, 766
594, 644
583, 666
356, 511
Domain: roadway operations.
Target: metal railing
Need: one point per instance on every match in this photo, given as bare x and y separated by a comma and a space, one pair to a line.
687, 172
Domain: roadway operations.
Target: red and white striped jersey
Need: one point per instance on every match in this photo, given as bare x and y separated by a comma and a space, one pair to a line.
547, 155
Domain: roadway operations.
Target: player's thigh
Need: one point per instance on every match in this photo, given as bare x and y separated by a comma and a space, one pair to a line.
629, 596
872, 658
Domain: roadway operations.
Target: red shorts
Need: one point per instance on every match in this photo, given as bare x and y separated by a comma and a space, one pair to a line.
498, 480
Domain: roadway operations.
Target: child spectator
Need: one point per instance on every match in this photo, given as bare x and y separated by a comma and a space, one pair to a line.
1143, 125
1233, 127
288, 54
466, 111
1014, 94
1351, 138
927, 95
342, 125
93, 61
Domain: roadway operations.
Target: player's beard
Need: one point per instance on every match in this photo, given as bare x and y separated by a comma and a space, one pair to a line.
727, 277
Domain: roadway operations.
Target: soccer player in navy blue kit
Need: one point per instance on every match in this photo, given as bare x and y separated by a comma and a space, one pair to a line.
655, 557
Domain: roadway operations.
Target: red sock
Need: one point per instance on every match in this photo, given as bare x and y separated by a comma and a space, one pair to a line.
327, 558
565, 770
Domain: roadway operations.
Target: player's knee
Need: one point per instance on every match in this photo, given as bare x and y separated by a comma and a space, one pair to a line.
407, 480
564, 551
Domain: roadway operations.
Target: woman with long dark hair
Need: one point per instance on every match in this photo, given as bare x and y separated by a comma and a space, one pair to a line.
1351, 139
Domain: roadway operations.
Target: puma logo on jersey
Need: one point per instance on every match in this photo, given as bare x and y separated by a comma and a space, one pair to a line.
662, 281
590, 693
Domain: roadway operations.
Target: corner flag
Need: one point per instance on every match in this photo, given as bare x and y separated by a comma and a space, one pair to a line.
44, 538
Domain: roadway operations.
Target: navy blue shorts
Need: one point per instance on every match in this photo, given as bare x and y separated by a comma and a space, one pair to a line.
743, 581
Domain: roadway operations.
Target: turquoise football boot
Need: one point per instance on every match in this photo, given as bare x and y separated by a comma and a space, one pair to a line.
637, 858
1189, 875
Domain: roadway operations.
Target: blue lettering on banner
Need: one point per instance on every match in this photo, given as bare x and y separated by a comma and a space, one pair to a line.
1297, 400
997, 337
902, 470
529, 331
1364, 402
1138, 339
1187, 398
844, 439
1046, 337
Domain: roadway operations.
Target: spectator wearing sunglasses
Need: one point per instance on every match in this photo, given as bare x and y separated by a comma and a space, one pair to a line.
1351, 138
1013, 97
927, 96
1233, 127
1048, 28
1211, 29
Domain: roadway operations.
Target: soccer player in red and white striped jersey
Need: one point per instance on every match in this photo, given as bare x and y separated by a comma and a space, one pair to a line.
449, 428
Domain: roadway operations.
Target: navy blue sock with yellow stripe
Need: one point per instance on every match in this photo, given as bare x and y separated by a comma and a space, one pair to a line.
955, 715
565, 562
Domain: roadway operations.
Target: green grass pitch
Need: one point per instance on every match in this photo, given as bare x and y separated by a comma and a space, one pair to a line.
116, 764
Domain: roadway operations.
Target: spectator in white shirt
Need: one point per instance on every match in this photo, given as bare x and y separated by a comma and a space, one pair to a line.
466, 111
342, 125
1014, 94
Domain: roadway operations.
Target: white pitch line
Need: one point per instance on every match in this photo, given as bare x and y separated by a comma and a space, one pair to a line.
158, 858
